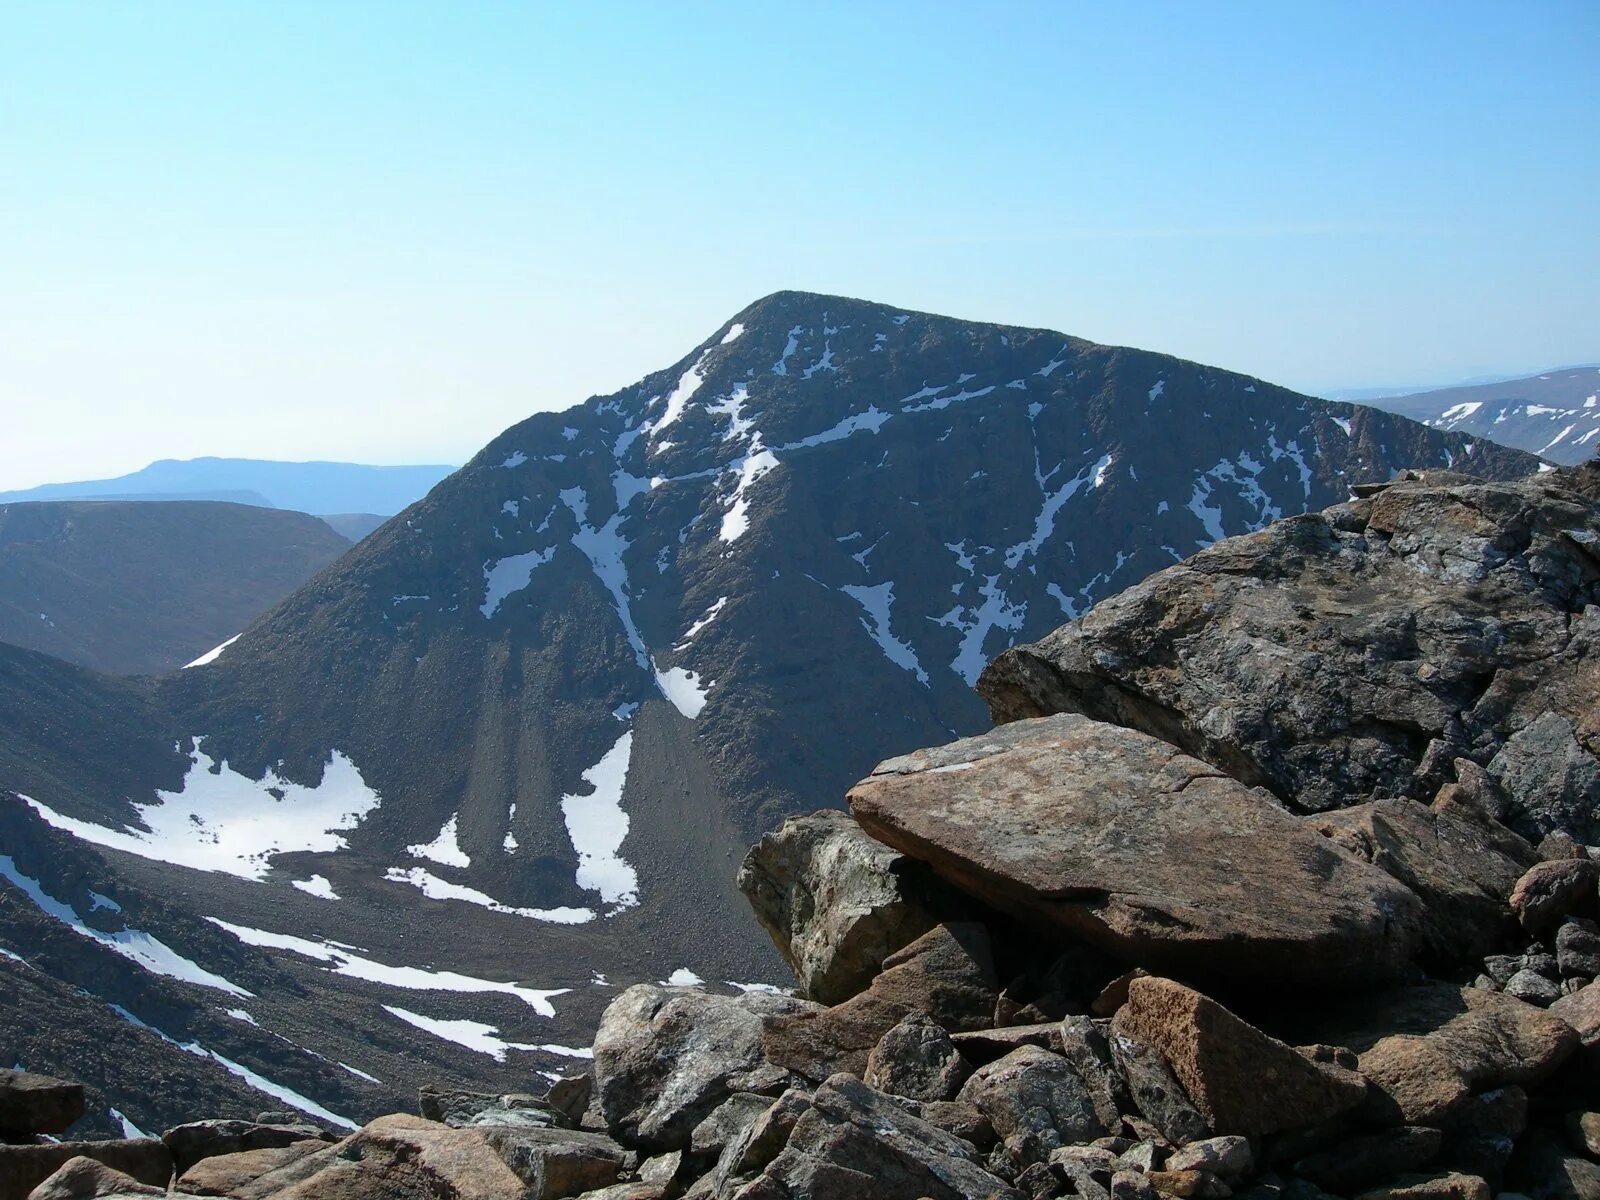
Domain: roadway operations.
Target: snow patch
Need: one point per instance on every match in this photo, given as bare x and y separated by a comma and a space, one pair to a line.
683, 688
224, 821
210, 656
474, 1035
515, 459
434, 888
877, 600
318, 886
597, 826
507, 575
445, 849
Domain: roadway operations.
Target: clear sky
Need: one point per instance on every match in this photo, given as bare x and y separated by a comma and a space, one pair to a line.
385, 231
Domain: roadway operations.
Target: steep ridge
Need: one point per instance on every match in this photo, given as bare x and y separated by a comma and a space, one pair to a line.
524, 732
138, 588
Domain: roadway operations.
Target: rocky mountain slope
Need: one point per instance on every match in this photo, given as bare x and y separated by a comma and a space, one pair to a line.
1554, 415
548, 706
1075, 958
313, 487
142, 588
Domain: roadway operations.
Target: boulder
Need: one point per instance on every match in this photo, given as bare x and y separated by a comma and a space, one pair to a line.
1427, 1049
960, 1118
836, 902
23, 1168
1581, 1011
761, 1142
1031, 1091
946, 975
1548, 1171
727, 1121
229, 1174
1083, 1043
1578, 948
1462, 869
1452, 1185
460, 1109
1155, 1091
1225, 1157
854, 1143
1241, 1080
1353, 654
1533, 988
31, 1104
85, 1179
411, 1156
1550, 891
203, 1139
1115, 838
917, 1060
1583, 1130
981, 1046
664, 1058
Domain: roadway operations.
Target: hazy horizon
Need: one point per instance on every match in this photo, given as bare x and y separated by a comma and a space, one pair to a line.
296, 233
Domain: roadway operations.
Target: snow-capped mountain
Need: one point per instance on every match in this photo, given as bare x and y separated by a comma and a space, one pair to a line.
506, 754
1555, 415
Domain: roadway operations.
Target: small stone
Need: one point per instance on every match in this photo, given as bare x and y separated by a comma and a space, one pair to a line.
1549, 891
1228, 1157
1578, 948
1177, 1183
1451, 1186
1501, 967
1141, 1156
1031, 1091
1130, 1185
1361, 1162
1533, 988
1584, 1130
916, 1059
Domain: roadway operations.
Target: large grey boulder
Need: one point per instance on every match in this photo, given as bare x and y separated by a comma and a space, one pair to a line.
836, 902
853, 1143
665, 1057
1115, 838
1035, 1093
1353, 654
917, 1060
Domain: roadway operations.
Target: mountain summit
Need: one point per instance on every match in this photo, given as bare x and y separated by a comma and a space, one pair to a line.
521, 735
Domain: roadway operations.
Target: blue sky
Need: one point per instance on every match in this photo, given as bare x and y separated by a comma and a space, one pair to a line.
385, 231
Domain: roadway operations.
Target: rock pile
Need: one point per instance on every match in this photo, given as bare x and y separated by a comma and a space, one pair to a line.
1275, 881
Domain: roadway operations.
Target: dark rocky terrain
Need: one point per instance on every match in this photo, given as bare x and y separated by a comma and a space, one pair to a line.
140, 588
503, 758
1080, 956
1556, 415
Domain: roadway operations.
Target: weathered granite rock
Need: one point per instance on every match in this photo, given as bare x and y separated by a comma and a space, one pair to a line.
1031, 1091
917, 1060
1581, 1010
1241, 1080
23, 1168
85, 1179
1578, 948
1083, 1043
1113, 837
960, 1118
1356, 653
1226, 1157
1533, 988
1462, 869
760, 1142
1452, 1185
31, 1103
1427, 1049
947, 975
1550, 891
460, 1109
1548, 1171
204, 1139
404, 1155
229, 1174
665, 1057
836, 902
981, 1046
855, 1144
727, 1121
1155, 1090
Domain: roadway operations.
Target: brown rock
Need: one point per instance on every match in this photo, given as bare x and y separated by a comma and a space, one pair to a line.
1584, 1130
1462, 868
1426, 1049
1241, 1080
1031, 1091
1449, 1186
84, 1179
206, 1139
227, 1174
1115, 838
1550, 891
947, 975
1178, 1183
31, 1103
23, 1168
981, 1046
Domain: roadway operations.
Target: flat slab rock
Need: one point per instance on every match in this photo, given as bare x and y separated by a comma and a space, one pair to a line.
31, 1103
1342, 656
1115, 838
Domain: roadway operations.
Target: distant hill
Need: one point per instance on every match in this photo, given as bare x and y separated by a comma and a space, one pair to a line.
1556, 414
312, 487
354, 526
132, 588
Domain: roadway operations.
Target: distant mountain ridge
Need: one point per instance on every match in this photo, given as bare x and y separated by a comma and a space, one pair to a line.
134, 588
1555, 414
313, 487
533, 725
